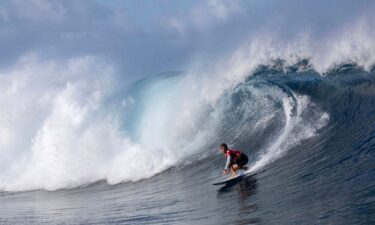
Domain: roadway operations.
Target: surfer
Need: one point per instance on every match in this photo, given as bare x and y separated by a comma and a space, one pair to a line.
235, 160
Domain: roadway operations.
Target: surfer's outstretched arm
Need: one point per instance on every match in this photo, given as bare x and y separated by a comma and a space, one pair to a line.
227, 165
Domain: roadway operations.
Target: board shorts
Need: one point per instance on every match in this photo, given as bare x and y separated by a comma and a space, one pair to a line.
242, 160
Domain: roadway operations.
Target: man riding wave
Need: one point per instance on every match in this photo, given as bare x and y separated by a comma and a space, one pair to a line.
235, 160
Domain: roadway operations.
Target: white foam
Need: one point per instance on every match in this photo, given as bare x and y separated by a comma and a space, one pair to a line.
57, 130
61, 129
294, 131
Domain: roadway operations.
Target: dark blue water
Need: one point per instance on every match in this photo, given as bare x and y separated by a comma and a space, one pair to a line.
327, 178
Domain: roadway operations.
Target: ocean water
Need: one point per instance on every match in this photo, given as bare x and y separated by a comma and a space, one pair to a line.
310, 138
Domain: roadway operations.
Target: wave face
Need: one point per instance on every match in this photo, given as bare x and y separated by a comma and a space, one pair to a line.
71, 130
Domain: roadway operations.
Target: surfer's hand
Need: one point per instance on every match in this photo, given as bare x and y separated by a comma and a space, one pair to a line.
225, 172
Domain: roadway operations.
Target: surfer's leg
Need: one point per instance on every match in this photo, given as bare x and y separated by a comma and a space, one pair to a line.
242, 161
233, 170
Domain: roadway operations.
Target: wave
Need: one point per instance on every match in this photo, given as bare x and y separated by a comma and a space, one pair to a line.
66, 124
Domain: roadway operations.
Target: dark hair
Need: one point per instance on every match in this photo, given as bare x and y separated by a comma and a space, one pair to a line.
225, 146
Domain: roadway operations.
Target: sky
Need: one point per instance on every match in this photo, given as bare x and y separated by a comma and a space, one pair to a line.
142, 38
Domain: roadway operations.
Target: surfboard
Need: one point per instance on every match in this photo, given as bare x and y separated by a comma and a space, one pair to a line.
231, 179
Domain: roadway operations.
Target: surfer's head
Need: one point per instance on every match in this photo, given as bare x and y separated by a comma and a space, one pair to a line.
224, 148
